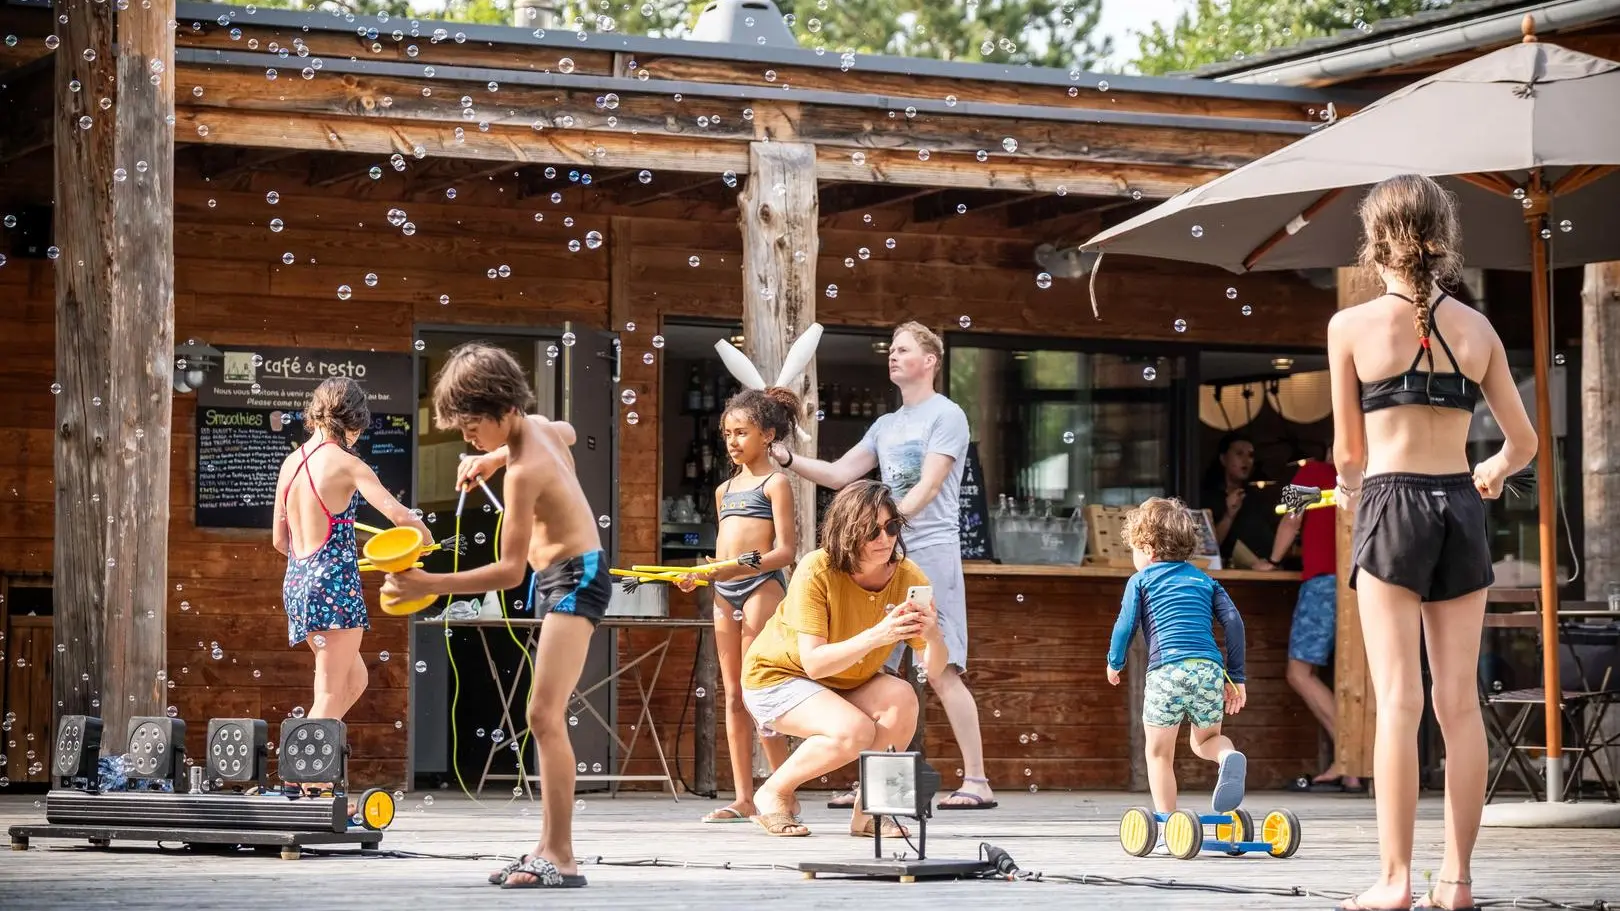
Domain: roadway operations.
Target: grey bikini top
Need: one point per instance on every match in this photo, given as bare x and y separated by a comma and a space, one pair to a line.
750, 504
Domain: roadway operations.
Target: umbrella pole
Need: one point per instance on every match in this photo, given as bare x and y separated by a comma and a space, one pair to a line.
1546, 489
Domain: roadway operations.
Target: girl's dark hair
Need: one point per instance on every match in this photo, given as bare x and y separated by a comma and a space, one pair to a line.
337, 406
1409, 226
774, 409
852, 518
1215, 473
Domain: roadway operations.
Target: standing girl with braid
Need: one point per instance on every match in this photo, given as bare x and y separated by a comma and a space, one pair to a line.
322, 588
1420, 557
755, 509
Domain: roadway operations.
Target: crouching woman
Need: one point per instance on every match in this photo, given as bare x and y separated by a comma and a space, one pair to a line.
816, 669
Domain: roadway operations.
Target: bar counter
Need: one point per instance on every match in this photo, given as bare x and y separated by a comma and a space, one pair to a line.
1037, 659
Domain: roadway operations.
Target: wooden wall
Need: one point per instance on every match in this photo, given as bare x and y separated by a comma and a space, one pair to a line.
232, 287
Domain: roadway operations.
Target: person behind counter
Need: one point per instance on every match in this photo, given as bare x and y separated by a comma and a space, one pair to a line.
817, 669
1175, 605
1239, 518
1407, 369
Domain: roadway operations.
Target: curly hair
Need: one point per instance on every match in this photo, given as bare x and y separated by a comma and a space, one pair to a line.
1164, 528
852, 521
774, 409
479, 380
337, 406
1409, 226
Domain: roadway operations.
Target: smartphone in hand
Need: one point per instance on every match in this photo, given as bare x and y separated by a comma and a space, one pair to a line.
921, 595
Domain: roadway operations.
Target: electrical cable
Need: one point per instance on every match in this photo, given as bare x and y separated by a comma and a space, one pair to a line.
1005, 869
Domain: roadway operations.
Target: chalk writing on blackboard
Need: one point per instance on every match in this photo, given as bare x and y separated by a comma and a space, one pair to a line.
974, 530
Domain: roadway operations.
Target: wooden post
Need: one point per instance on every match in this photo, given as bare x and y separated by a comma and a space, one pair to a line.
1135, 690
84, 233
1600, 425
777, 211
1357, 715
708, 677
141, 353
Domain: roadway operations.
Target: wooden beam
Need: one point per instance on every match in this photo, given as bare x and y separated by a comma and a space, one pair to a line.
1034, 175
960, 204
141, 353
661, 187
778, 214
1600, 422
84, 439
216, 164
1356, 718
620, 273
457, 174
836, 199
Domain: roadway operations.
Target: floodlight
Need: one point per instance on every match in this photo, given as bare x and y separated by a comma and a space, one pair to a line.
313, 750
78, 749
894, 784
238, 749
157, 748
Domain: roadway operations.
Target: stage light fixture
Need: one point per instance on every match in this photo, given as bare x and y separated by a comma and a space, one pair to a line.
313, 750
238, 749
78, 749
157, 748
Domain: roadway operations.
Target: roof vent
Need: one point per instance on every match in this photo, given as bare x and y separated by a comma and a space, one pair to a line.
756, 22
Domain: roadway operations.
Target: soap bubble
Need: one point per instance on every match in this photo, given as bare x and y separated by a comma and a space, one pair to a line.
603, 521
421, 667
1010, 144
1149, 374
1068, 436
701, 692
383, 655
628, 396
1198, 230
1043, 280
1247, 310
965, 321
1181, 325
1231, 294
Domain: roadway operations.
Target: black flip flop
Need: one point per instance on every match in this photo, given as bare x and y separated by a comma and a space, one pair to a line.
545, 876
1307, 785
979, 803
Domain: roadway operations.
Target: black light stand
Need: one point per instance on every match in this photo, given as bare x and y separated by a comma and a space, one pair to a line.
898, 785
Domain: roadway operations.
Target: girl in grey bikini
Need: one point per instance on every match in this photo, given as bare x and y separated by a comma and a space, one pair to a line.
755, 509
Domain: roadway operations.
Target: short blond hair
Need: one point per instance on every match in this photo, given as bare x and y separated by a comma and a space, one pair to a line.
1163, 527
928, 340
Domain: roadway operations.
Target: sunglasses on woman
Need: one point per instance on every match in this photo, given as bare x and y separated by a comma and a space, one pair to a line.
891, 528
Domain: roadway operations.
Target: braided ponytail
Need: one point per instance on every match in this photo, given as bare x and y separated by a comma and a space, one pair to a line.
1409, 227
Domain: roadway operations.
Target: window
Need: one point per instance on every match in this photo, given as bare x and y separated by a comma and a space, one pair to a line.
1063, 429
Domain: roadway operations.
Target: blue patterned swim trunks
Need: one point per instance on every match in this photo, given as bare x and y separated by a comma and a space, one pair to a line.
1316, 621
1193, 688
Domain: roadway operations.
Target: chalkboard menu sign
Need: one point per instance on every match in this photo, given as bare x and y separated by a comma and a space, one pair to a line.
975, 525
250, 415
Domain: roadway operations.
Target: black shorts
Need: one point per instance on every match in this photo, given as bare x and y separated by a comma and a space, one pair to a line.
580, 586
1423, 532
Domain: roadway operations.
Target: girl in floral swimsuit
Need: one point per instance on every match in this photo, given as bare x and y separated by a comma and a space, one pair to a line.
321, 592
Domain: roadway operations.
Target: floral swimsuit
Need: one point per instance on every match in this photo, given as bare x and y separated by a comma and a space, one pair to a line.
322, 590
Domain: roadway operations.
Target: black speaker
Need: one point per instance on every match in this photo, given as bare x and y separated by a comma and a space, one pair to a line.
32, 234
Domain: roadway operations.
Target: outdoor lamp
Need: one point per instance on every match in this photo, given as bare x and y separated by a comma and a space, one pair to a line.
897, 784
313, 749
238, 749
157, 748
78, 748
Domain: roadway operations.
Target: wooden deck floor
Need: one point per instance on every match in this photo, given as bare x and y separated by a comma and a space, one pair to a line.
1052, 832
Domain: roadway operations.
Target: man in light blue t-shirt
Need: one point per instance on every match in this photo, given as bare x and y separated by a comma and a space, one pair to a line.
921, 450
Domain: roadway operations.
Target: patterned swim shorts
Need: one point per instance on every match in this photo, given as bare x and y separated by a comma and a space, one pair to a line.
1193, 689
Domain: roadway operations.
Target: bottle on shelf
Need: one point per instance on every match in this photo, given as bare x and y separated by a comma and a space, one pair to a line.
690, 469
836, 405
694, 391
706, 396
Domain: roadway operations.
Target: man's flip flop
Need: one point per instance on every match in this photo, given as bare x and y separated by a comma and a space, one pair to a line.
499, 876
1228, 794
546, 876
979, 803
725, 815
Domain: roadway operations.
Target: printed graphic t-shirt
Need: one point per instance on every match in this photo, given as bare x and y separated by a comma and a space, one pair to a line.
901, 440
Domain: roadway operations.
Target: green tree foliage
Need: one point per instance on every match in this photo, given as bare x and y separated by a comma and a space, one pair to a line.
1216, 31
1035, 32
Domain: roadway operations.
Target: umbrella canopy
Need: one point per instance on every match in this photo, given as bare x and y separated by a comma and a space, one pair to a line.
1481, 128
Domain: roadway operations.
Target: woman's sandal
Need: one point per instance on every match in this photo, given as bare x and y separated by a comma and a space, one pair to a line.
1429, 901
845, 800
725, 815
891, 829
978, 803
546, 876
781, 825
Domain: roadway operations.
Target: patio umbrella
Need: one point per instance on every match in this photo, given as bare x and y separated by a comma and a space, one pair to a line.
1527, 140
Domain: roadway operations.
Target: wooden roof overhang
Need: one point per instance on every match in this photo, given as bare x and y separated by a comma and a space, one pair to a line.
422, 89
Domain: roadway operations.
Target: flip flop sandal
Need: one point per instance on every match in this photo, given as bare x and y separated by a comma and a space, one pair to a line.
779, 824
499, 876
545, 876
852, 795
1228, 794
1358, 906
890, 830
979, 803
726, 815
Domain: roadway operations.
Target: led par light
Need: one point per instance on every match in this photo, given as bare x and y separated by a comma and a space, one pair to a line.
238, 749
313, 750
78, 748
157, 748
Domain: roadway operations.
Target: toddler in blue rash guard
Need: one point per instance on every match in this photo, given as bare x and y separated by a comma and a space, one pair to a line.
1175, 603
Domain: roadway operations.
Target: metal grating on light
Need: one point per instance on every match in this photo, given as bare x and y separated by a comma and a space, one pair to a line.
237, 749
313, 750
78, 747
157, 747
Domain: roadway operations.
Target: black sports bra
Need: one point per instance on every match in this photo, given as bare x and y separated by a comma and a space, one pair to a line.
1423, 387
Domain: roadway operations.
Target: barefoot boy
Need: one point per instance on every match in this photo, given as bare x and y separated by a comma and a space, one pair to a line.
1174, 603
482, 392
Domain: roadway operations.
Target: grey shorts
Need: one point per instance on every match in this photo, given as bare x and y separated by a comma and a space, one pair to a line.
943, 567
773, 702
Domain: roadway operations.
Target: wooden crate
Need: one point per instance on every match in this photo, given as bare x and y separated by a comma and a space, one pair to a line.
1106, 530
